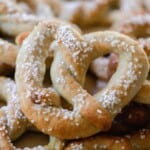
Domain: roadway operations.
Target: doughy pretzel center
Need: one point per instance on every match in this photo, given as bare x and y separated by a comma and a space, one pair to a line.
88, 116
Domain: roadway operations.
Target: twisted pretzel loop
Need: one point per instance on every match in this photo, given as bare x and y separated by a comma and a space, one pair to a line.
138, 140
104, 43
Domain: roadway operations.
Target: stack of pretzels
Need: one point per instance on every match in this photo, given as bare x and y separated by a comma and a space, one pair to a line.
75, 72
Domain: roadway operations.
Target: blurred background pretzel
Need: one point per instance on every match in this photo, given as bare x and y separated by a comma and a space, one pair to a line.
13, 16
12, 123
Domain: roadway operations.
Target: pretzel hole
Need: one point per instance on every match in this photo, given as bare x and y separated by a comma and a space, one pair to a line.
6, 70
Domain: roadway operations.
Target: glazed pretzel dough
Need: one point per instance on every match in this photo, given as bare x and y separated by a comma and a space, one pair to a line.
88, 114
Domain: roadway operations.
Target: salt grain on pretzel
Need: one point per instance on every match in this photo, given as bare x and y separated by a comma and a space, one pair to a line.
140, 140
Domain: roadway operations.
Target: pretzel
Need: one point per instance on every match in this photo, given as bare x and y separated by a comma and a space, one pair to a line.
83, 13
128, 9
137, 25
134, 5
137, 141
143, 96
36, 7
29, 77
12, 121
14, 23
100, 142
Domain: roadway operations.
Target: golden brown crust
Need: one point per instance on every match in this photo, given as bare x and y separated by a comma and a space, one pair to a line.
100, 142
140, 140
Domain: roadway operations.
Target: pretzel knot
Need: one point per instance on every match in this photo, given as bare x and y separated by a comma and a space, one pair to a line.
90, 114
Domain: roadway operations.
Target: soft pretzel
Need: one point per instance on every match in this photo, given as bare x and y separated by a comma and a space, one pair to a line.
37, 7
100, 142
12, 121
88, 116
143, 96
129, 8
137, 25
15, 120
135, 141
83, 12
140, 140
8, 52
19, 21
